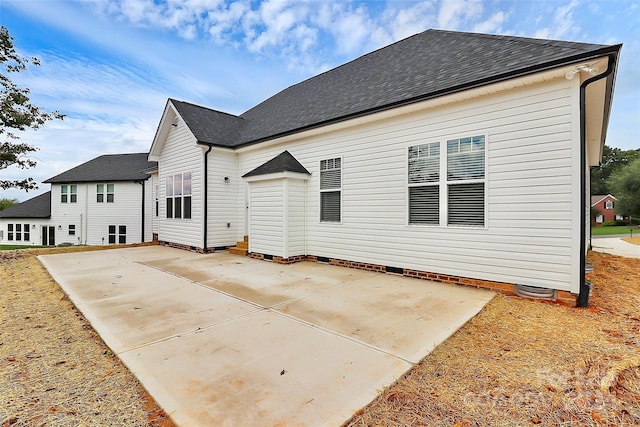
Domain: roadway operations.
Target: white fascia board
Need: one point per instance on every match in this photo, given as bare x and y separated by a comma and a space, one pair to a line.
277, 175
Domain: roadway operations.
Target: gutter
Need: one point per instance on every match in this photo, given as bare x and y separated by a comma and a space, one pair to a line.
206, 194
585, 286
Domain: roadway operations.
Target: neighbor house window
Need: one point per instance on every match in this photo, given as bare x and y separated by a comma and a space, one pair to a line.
72, 230
10, 232
26, 233
69, 193
178, 195
608, 204
100, 193
18, 232
117, 234
330, 190
455, 183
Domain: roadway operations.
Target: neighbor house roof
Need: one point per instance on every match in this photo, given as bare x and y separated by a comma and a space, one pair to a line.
424, 66
283, 162
595, 199
109, 167
36, 207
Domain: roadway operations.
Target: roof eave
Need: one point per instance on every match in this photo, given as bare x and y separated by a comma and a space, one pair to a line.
607, 50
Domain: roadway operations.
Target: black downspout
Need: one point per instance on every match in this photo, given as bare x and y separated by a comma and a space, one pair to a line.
143, 206
206, 195
585, 288
143, 212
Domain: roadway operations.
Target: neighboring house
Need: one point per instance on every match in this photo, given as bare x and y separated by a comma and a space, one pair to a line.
604, 204
106, 200
456, 157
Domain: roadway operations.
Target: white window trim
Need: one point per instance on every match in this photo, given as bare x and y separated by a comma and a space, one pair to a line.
443, 183
320, 221
173, 196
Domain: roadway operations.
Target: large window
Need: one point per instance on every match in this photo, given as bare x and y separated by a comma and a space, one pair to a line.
330, 189
117, 234
68, 193
18, 232
178, 195
101, 193
455, 184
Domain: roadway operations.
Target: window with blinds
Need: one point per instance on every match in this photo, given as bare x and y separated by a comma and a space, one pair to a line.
457, 182
465, 179
424, 181
330, 189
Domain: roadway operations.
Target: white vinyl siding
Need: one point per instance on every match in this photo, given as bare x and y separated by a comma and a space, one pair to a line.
267, 234
91, 218
181, 154
530, 177
223, 223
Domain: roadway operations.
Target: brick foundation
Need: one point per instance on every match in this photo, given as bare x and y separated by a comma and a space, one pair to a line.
564, 297
190, 248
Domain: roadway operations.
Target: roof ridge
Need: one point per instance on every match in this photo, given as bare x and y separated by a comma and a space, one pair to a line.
207, 108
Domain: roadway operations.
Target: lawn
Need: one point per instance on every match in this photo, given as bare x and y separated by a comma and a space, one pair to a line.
618, 229
12, 247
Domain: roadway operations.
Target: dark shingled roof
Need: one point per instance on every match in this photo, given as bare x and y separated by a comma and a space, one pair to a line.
424, 66
36, 207
226, 131
283, 162
109, 167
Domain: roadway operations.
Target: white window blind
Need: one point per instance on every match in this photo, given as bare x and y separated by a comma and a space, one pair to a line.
466, 204
424, 205
465, 158
424, 163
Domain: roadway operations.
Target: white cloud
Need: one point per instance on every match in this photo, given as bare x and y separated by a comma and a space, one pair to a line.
563, 24
453, 13
491, 25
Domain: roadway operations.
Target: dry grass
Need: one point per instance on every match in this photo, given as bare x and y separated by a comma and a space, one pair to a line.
634, 240
54, 369
523, 362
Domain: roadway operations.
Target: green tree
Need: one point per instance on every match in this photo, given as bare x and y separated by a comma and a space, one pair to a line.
625, 185
17, 114
612, 160
7, 203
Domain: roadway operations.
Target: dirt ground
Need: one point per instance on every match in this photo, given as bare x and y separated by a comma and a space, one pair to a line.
54, 369
517, 363
521, 363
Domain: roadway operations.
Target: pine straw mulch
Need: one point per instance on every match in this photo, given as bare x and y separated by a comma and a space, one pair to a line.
54, 369
522, 362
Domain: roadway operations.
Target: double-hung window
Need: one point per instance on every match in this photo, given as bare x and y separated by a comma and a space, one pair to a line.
10, 232
330, 190
69, 193
424, 184
100, 193
26, 233
178, 195
453, 186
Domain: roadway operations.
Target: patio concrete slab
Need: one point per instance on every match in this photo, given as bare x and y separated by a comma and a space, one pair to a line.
615, 246
401, 316
220, 339
263, 369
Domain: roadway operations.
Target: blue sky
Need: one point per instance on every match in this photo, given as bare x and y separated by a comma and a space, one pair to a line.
110, 65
